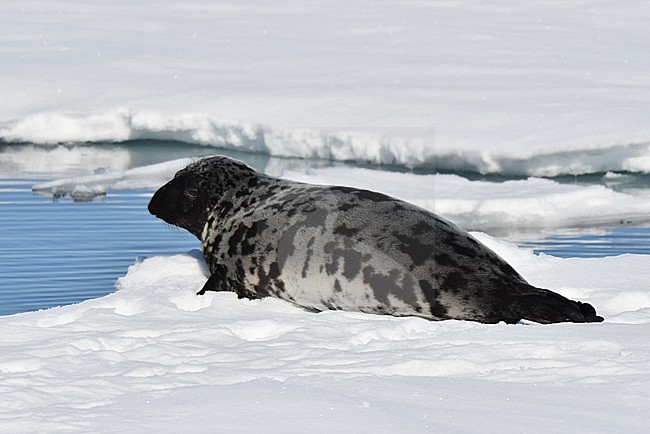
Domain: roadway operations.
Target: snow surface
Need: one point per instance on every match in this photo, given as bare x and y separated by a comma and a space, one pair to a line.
155, 356
513, 87
509, 87
164, 359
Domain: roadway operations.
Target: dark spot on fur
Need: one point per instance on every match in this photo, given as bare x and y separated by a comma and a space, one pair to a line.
465, 251
333, 265
421, 228
454, 282
346, 206
315, 217
416, 250
444, 260
347, 231
439, 311
352, 260
507, 270
407, 291
274, 271
372, 196
381, 284
430, 295
310, 252
236, 239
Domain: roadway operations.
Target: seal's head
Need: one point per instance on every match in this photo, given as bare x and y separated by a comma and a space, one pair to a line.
188, 199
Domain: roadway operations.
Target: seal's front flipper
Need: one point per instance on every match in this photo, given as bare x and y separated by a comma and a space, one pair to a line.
216, 282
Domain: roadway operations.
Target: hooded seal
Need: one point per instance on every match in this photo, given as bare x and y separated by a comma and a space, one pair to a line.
340, 248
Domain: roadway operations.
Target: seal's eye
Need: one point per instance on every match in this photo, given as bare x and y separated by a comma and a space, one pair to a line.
188, 199
191, 193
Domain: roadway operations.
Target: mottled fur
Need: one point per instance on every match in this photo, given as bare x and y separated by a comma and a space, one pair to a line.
327, 247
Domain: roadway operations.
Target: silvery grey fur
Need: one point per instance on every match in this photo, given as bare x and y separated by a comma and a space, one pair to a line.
329, 247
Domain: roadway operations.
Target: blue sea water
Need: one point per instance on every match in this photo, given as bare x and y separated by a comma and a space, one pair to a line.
56, 251
66, 252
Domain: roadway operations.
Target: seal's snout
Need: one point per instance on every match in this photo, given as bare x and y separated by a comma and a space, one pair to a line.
151, 208
161, 204
154, 203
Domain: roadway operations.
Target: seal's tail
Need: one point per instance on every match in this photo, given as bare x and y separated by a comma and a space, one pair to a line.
547, 307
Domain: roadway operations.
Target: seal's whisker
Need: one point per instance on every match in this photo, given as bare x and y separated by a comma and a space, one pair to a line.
178, 231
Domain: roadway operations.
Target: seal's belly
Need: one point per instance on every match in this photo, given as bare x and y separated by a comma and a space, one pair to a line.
329, 271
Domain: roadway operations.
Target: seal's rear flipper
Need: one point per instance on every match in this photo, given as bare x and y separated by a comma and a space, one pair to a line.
547, 307
589, 312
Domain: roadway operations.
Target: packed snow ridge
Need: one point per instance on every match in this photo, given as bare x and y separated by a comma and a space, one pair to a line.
412, 148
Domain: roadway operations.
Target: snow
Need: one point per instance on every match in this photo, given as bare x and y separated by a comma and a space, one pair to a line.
501, 87
163, 358
155, 356
507, 87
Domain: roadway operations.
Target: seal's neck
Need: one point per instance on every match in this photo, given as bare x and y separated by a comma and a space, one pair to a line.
247, 193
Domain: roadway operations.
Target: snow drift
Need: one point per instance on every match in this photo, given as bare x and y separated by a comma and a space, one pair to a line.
154, 355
